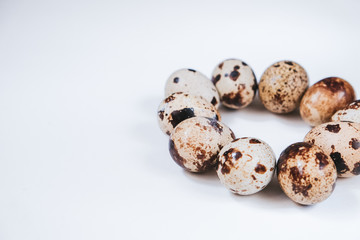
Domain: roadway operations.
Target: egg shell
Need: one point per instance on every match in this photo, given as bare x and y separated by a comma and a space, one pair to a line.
246, 165
306, 174
235, 82
180, 106
324, 98
192, 82
196, 142
341, 141
282, 85
351, 113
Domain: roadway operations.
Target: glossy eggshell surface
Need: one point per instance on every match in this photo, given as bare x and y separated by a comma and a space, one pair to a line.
196, 142
351, 113
324, 98
341, 141
235, 82
180, 106
282, 85
192, 82
306, 174
246, 165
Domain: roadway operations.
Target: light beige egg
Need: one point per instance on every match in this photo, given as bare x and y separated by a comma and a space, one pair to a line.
192, 82
246, 165
282, 85
324, 98
180, 106
196, 142
351, 113
341, 141
235, 82
306, 174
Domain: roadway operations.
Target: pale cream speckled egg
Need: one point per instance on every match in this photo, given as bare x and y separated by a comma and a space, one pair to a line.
196, 142
341, 141
282, 85
350, 113
235, 82
180, 106
306, 174
324, 98
246, 165
192, 82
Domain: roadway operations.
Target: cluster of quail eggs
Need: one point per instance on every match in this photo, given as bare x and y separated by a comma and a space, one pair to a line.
306, 171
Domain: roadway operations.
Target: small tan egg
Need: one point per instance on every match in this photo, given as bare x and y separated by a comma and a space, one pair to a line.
192, 82
351, 113
235, 82
246, 165
306, 174
341, 141
196, 142
324, 98
180, 106
282, 85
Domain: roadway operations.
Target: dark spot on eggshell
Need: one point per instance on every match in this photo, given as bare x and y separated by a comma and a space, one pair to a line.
277, 65
292, 151
214, 101
323, 159
221, 65
289, 63
334, 128
180, 115
254, 141
175, 154
339, 162
334, 84
216, 79
298, 183
191, 70
176, 80
215, 125
278, 98
169, 98
354, 143
161, 114
228, 164
354, 105
234, 98
206, 165
244, 64
261, 169
234, 75
253, 177
226, 74
356, 170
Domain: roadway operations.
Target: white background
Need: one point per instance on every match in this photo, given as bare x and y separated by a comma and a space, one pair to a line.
81, 154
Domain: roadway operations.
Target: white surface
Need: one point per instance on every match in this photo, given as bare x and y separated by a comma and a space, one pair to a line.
81, 155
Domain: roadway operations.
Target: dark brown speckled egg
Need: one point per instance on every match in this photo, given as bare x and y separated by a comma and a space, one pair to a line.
324, 98
306, 174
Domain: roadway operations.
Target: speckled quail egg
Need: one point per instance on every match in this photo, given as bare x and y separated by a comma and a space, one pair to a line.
235, 82
192, 82
324, 98
246, 165
180, 106
282, 85
196, 142
351, 113
306, 174
341, 141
